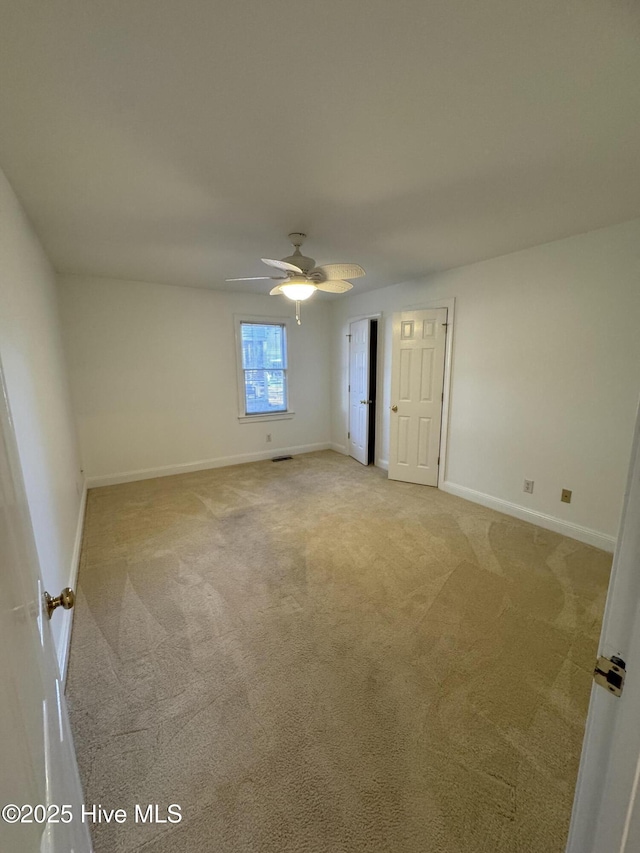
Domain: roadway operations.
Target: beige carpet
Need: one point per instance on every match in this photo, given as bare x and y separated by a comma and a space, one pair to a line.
308, 657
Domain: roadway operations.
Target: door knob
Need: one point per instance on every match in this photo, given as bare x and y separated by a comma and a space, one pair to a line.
365, 402
394, 408
66, 600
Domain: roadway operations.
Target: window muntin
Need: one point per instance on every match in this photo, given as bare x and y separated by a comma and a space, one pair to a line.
264, 367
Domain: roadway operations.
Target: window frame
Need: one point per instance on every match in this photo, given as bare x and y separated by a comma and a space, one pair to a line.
261, 320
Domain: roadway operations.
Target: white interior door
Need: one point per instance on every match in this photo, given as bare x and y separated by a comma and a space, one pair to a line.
417, 381
38, 772
606, 811
359, 403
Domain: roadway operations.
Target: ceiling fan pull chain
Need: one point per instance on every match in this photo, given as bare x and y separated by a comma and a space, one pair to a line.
298, 312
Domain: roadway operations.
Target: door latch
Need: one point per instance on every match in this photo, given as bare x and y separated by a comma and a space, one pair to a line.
609, 673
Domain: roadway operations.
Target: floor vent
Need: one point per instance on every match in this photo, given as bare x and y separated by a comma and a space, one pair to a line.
281, 458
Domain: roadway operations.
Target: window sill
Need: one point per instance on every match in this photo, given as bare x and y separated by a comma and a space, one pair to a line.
271, 416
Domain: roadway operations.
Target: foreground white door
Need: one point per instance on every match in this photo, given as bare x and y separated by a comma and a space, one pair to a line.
606, 811
38, 773
359, 404
417, 380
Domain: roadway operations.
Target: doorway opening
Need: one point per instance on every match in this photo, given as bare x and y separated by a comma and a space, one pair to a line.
363, 374
373, 377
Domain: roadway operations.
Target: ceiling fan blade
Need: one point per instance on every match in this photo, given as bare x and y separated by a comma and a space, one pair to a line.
282, 265
275, 291
258, 278
334, 286
335, 272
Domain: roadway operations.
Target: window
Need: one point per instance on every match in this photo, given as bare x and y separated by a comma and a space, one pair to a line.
262, 368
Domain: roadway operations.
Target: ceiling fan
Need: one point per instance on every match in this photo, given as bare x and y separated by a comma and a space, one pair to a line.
302, 277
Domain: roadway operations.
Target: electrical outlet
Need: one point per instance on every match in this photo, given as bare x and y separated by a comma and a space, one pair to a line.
268, 437
528, 487
565, 497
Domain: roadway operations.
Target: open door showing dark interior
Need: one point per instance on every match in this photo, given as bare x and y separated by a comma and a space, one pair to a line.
363, 342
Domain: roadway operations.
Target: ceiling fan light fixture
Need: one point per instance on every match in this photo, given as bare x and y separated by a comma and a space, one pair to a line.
298, 289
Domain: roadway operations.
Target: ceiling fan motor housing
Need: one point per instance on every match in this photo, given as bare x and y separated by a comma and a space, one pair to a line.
300, 260
305, 264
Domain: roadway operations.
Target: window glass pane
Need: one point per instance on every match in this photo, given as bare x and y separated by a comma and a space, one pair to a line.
265, 391
262, 346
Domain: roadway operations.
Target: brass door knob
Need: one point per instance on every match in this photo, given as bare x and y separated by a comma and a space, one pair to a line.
394, 408
66, 600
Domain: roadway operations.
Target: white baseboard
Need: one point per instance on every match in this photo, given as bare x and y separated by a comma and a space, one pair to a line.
549, 522
340, 448
201, 465
67, 615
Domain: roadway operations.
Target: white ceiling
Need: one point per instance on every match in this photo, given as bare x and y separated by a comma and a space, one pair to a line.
180, 140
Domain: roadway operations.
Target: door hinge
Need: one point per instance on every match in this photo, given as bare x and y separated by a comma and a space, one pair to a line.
349, 387
609, 673
348, 435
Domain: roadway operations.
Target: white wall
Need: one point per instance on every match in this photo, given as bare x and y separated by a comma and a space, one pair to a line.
153, 377
35, 374
546, 373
